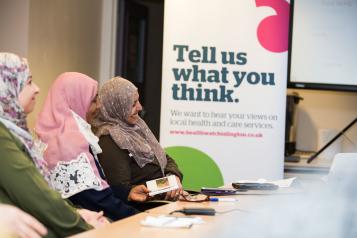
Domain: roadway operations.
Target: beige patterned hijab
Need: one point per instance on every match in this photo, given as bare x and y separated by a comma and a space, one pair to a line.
117, 99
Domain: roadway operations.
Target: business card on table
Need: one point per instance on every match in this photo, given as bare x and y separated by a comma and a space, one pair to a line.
162, 185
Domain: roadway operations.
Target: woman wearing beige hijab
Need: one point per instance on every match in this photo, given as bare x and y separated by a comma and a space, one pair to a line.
131, 153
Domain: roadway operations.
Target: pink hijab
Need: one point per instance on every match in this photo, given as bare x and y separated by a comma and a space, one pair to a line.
56, 127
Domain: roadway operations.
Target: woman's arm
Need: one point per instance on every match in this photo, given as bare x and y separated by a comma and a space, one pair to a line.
24, 187
116, 165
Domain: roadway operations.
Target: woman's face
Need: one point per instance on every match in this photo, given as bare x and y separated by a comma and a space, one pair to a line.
92, 111
27, 96
136, 108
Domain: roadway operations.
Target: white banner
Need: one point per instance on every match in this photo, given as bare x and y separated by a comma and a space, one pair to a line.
224, 83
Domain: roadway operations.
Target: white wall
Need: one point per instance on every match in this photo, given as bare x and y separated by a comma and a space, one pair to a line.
108, 40
56, 36
64, 35
14, 16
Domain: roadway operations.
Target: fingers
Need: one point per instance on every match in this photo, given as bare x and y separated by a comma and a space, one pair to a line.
168, 195
144, 189
140, 189
180, 189
140, 198
97, 219
139, 193
172, 195
96, 223
98, 215
178, 182
184, 193
178, 193
34, 227
87, 214
104, 220
25, 231
90, 216
82, 213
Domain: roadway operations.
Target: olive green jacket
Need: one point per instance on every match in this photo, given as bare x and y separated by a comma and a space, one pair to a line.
22, 185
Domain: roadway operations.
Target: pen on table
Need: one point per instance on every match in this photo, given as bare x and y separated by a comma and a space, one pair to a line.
223, 199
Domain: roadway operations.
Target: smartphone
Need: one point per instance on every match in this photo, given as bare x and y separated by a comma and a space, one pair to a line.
221, 191
255, 186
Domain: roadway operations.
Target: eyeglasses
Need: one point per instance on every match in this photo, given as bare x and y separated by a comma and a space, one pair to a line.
194, 197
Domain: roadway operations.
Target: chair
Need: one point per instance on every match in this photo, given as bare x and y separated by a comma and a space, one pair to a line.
198, 168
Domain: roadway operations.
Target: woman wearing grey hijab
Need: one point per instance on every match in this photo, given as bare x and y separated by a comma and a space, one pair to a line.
131, 154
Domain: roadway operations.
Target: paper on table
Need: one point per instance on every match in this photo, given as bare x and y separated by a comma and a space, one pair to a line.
283, 183
171, 221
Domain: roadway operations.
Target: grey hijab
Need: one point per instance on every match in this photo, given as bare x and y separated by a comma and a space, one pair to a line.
117, 99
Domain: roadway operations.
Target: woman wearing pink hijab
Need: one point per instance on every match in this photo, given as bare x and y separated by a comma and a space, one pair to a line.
72, 148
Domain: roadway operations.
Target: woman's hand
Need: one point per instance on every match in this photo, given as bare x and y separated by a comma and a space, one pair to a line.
138, 193
96, 219
174, 195
20, 223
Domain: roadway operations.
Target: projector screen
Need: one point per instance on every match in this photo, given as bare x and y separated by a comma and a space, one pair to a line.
323, 45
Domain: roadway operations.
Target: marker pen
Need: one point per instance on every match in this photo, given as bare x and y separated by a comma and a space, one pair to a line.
223, 199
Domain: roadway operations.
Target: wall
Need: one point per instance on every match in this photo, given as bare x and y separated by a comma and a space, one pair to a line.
58, 36
14, 16
64, 35
108, 40
325, 110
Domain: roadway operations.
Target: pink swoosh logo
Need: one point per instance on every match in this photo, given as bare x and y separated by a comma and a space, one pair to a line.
273, 31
